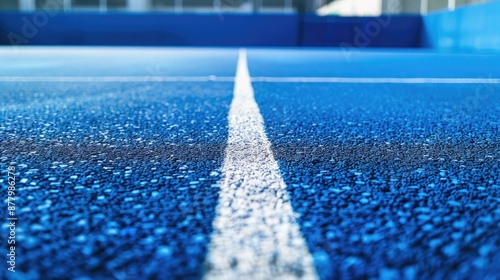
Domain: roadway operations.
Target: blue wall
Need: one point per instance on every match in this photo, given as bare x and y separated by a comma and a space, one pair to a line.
44, 28
385, 31
471, 28
149, 29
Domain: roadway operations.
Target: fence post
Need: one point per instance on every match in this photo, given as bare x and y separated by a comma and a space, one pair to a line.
178, 6
424, 6
27, 5
138, 5
451, 5
103, 6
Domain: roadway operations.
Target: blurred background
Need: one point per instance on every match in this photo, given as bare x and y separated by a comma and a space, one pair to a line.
448, 25
321, 7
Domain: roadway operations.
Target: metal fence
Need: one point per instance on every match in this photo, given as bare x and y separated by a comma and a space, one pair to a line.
236, 6
179, 6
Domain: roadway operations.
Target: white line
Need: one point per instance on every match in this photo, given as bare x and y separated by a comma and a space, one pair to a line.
132, 79
107, 79
376, 80
256, 235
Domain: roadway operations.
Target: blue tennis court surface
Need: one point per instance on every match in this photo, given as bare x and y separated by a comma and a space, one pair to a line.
390, 160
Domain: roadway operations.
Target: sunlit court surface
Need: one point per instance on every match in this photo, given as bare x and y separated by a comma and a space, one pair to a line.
187, 161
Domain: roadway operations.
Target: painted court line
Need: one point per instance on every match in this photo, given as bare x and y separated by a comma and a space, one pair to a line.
132, 79
376, 80
107, 79
255, 235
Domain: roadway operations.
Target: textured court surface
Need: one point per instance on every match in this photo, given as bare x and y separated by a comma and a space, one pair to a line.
120, 157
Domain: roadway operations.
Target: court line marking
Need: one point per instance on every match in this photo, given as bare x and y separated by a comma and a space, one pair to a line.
131, 79
377, 80
256, 235
107, 79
